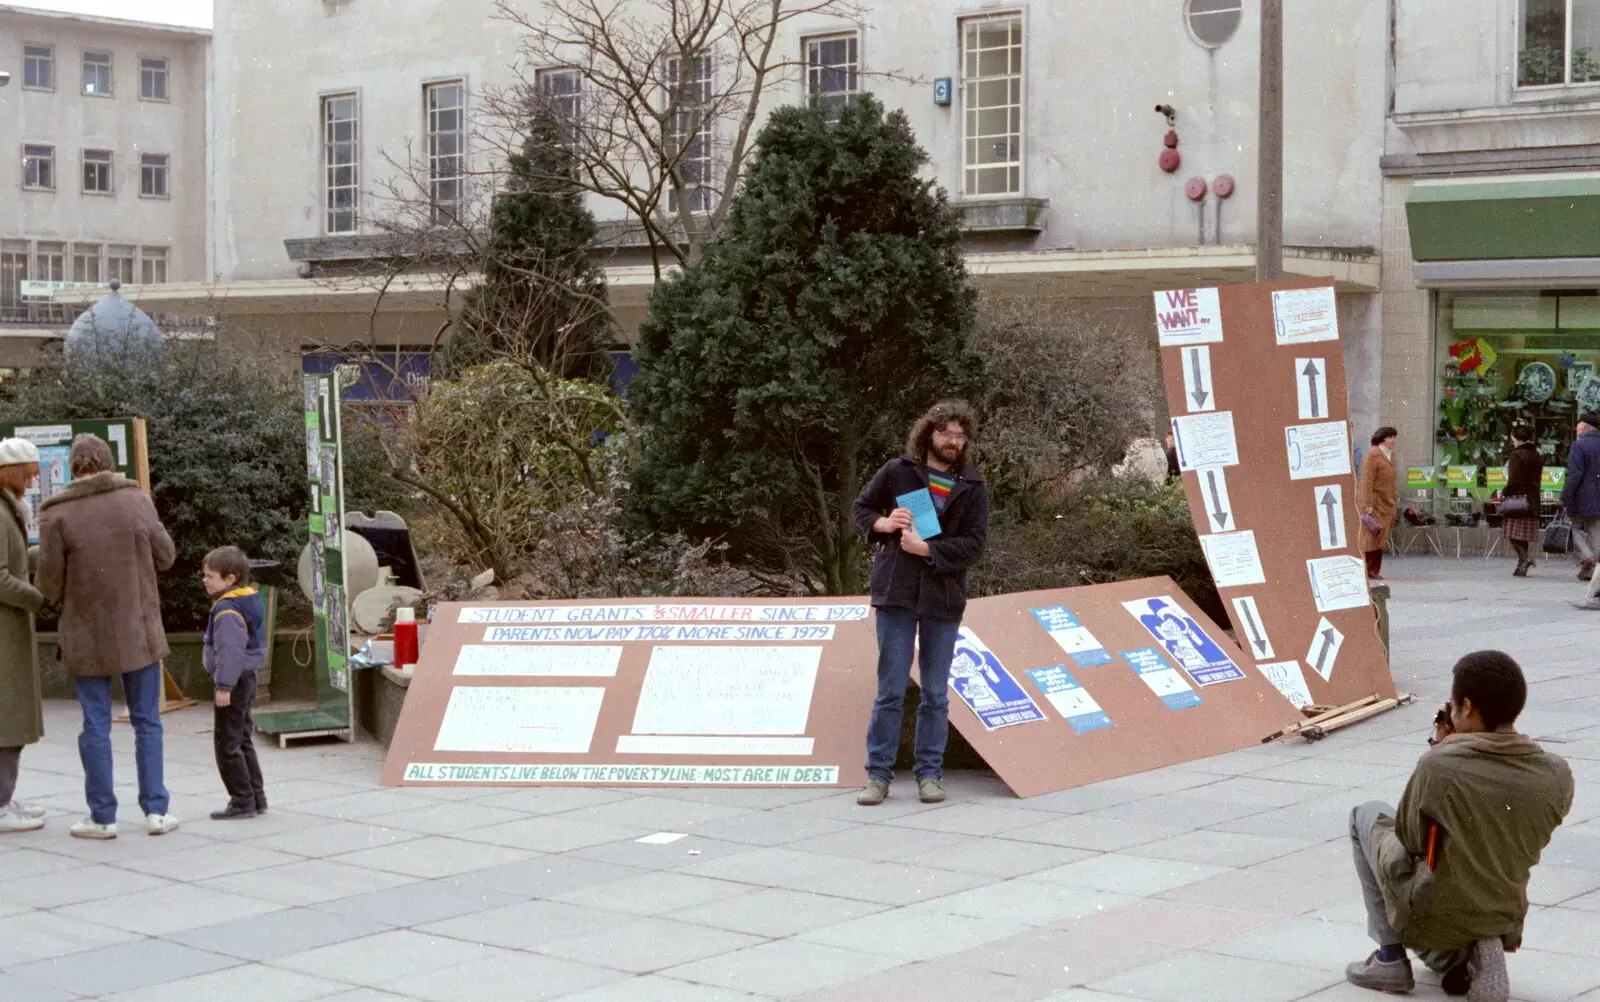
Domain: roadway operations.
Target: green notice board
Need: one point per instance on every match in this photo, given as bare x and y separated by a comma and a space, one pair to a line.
129, 451
330, 590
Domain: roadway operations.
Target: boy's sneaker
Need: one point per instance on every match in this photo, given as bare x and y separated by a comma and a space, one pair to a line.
1394, 977
90, 828
26, 810
233, 813
13, 820
930, 791
874, 793
1486, 963
160, 824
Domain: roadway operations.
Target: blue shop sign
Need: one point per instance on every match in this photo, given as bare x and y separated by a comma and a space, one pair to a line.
391, 377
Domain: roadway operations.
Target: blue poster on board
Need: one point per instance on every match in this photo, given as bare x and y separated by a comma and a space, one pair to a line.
1070, 698
983, 684
1185, 642
1162, 678
1072, 636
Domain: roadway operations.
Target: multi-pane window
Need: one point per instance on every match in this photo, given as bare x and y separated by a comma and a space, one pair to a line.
153, 75
561, 90
39, 67
833, 66
120, 262
341, 161
97, 73
446, 108
97, 171
154, 265
86, 263
691, 131
1560, 43
39, 167
991, 95
153, 175
49, 262
13, 272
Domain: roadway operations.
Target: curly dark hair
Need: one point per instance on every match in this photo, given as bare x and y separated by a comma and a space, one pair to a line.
920, 441
1494, 683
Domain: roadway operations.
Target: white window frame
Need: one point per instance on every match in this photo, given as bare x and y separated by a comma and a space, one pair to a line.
813, 70
153, 265
16, 267
110, 68
57, 258
1519, 38
438, 174
110, 164
122, 263
691, 124
567, 105
150, 170
28, 156
970, 84
28, 58
326, 104
165, 76
92, 256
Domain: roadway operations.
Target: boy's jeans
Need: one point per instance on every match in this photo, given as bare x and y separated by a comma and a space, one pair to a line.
143, 691
236, 751
897, 638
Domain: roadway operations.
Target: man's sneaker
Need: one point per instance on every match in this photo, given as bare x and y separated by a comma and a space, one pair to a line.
1394, 977
873, 794
1486, 963
160, 824
26, 810
12, 821
90, 828
930, 791
1588, 605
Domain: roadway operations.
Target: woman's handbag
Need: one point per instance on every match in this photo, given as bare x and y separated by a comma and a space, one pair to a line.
1370, 520
1515, 506
1558, 535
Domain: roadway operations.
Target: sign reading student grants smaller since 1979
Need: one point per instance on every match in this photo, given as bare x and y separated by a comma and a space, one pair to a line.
984, 684
1185, 641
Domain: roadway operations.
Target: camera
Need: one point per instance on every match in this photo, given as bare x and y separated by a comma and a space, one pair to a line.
1440, 719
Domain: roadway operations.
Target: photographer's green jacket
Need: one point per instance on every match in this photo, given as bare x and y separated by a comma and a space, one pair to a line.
1497, 798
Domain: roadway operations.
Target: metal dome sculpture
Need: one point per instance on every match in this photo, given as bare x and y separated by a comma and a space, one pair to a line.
113, 325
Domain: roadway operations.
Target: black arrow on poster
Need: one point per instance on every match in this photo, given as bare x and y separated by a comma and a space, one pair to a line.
1330, 522
1312, 384
1218, 510
1254, 629
1197, 379
1324, 652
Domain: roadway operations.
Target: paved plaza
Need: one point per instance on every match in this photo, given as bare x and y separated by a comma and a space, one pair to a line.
1228, 878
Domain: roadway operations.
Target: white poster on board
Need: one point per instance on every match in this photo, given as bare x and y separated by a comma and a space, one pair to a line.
1338, 583
1329, 499
482, 718
583, 662
1288, 679
1324, 652
727, 690
1301, 316
1316, 451
1234, 559
1205, 440
1255, 628
1188, 316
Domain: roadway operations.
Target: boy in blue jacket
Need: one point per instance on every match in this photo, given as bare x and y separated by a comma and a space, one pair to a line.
235, 646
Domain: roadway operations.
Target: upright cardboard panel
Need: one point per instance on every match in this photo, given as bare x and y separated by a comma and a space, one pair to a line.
1235, 364
760, 654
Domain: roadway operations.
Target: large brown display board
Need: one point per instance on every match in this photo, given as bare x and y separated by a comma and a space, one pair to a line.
1054, 689
1256, 385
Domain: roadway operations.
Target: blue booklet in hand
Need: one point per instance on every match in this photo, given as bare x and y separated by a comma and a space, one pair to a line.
926, 517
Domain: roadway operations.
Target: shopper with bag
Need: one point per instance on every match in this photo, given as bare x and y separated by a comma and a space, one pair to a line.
1519, 502
1580, 498
1377, 500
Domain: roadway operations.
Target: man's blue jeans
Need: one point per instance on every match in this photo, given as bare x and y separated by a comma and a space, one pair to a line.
897, 638
143, 691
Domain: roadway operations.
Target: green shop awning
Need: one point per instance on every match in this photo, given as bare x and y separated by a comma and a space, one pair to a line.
1551, 217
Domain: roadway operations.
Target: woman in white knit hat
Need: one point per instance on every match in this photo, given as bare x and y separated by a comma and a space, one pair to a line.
21, 715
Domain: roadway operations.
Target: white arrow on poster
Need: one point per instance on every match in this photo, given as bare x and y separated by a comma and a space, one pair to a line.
1197, 388
1234, 560
1288, 679
1311, 381
1301, 316
1329, 499
1324, 651
1255, 628
1188, 316
1205, 440
1317, 451
1338, 583
1214, 492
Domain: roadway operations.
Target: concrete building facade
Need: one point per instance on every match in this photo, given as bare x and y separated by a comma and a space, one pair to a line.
1040, 119
104, 127
1491, 235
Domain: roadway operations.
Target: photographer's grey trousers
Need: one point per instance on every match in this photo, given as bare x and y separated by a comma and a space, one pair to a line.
1362, 819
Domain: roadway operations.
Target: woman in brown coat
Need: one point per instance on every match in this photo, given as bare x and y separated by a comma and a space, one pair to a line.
1376, 496
100, 548
21, 719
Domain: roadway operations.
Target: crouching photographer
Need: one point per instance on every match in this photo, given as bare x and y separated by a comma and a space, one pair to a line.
1446, 875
